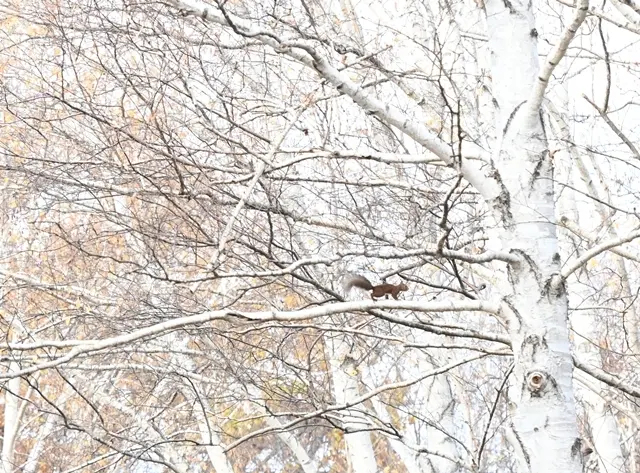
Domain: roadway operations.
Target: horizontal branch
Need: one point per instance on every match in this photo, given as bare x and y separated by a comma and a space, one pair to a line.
393, 253
89, 346
68, 289
389, 158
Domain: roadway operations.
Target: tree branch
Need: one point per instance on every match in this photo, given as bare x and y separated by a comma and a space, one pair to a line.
89, 346
554, 57
596, 250
306, 54
614, 128
607, 378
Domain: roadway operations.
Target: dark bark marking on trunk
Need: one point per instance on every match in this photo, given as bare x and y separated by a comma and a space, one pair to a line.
502, 202
509, 6
533, 343
515, 269
507, 300
525, 454
511, 116
576, 448
554, 287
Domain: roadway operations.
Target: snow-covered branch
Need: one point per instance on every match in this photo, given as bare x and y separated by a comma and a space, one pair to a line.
485, 257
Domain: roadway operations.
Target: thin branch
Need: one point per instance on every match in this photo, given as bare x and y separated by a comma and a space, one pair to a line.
492, 413
68, 289
354, 402
307, 55
614, 128
256, 177
573, 227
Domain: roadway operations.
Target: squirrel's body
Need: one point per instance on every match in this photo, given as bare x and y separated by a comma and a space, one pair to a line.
355, 280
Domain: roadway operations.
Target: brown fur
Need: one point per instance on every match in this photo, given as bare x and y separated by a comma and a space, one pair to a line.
382, 290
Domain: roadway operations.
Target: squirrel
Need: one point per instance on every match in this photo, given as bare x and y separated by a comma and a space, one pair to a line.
355, 280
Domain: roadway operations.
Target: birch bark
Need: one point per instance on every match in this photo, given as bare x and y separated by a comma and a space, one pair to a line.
543, 415
345, 388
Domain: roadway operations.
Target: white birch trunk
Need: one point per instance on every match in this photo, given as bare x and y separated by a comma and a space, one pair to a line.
601, 194
438, 408
11, 421
32, 464
217, 457
602, 423
543, 414
164, 451
408, 456
345, 388
306, 462
604, 430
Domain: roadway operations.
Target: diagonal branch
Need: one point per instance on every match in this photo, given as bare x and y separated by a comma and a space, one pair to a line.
554, 57
596, 250
262, 165
303, 52
607, 378
354, 402
614, 128
574, 228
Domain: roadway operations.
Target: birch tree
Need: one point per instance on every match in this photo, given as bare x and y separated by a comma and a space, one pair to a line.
186, 183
